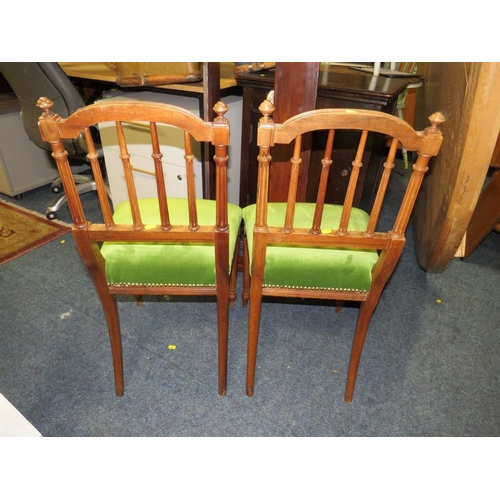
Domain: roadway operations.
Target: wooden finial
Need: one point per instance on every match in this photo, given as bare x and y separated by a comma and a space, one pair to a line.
267, 108
220, 109
45, 104
437, 119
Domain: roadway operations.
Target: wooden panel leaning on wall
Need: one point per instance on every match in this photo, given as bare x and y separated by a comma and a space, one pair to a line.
469, 96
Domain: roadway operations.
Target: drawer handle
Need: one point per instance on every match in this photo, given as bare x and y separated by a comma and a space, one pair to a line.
142, 171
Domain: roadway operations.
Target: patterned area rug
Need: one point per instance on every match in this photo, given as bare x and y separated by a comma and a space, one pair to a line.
22, 231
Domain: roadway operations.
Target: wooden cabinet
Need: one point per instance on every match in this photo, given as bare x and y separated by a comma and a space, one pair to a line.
139, 146
172, 143
337, 87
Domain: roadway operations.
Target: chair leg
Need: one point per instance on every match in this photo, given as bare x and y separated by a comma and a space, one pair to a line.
110, 308
253, 333
223, 283
108, 302
364, 317
223, 333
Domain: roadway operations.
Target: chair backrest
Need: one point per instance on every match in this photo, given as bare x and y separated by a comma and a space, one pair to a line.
54, 130
29, 81
425, 143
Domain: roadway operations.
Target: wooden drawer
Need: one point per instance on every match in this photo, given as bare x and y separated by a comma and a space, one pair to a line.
139, 147
143, 169
139, 142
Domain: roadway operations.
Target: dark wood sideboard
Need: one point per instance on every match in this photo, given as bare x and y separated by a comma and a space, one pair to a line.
301, 87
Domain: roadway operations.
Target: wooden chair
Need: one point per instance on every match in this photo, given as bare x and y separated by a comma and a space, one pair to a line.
322, 251
153, 246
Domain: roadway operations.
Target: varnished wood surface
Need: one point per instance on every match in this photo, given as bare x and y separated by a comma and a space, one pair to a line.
342, 80
486, 215
495, 159
296, 87
469, 96
101, 71
105, 72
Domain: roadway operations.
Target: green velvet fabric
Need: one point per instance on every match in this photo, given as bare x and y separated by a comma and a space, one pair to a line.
167, 263
314, 267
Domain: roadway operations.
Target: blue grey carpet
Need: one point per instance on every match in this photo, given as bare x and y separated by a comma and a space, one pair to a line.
429, 366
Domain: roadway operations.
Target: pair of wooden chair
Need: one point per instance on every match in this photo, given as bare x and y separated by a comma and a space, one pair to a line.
189, 246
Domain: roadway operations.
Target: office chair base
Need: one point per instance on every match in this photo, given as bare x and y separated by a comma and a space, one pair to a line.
60, 200
57, 187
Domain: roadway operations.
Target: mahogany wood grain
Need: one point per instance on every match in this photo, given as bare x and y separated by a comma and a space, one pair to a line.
211, 95
295, 87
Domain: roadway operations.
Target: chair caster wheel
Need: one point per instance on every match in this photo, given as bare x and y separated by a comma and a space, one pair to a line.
51, 215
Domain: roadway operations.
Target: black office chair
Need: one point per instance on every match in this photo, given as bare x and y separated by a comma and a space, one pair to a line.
30, 81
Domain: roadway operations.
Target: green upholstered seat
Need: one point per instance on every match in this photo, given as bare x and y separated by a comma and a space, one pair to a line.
167, 263
314, 267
